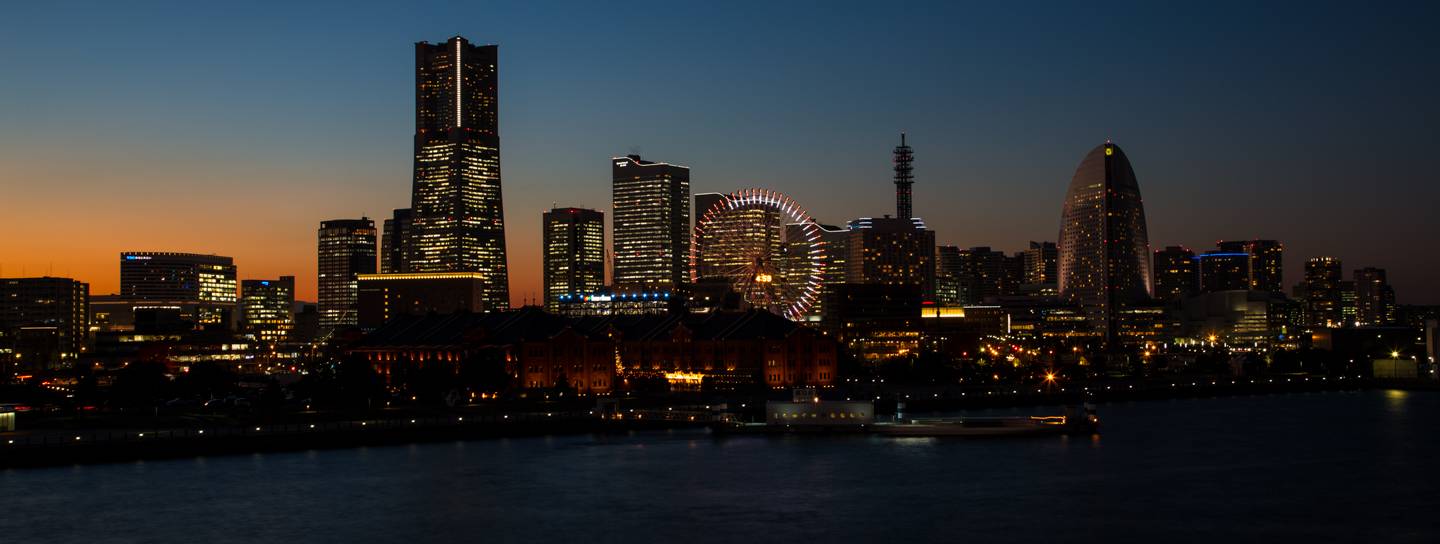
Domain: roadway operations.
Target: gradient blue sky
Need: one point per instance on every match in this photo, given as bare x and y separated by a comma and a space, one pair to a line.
235, 129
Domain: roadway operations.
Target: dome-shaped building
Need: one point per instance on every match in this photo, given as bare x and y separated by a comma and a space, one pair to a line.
1104, 257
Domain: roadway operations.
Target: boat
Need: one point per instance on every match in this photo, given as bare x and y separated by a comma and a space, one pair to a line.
807, 414
1085, 423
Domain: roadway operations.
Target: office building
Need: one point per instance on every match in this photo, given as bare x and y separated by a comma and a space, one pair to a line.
383, 297
44, 323
1176, 276
1223, 271
346, 249
457, 220
984, 274
1266, 266
834, 247
307, 323
949, 275
574, 253
739, 242
202, 286
1242, 319
892, 251
1374, 298
651, 225
1323, 292
265, 308
876, 321
393, 235
1012, 273
1039, 262
1349, 308
707, 202
1104, 250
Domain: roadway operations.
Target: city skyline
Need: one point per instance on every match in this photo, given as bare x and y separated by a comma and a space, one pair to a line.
253, 250
1201, 188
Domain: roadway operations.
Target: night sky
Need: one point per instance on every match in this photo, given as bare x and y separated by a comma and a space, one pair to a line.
235, 130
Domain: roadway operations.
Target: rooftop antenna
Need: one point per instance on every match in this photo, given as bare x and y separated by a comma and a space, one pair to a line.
904, 179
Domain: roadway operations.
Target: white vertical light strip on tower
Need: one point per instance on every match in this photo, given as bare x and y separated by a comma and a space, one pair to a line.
457, 83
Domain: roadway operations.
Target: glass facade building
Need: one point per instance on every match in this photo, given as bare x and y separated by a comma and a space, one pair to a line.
346, 249
651, 225
457, 220
203, 285
1104, 249
266, 306
574, 253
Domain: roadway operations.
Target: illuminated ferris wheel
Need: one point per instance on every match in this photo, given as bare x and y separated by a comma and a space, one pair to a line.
764, 246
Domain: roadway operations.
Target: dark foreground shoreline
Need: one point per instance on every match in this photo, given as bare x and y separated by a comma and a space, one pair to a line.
57, 447
66, 448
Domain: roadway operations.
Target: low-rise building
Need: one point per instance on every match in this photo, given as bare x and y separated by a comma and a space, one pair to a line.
383, 297
603, 354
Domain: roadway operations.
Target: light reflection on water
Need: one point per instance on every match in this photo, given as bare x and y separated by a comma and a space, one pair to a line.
1324, 466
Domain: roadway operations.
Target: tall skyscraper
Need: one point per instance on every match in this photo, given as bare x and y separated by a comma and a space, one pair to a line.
1224, 271
457, 217
347, 248
1374, 298
904, 179
1267, 260
392, 243
266, 308
574, 250
1104, 258
1040, 262
202, 285
651, 224
1322, 291
1175, 275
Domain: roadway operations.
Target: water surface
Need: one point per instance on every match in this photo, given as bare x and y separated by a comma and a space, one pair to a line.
1323, 466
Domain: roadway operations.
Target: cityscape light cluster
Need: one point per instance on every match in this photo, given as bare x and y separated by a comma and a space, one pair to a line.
881, 289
